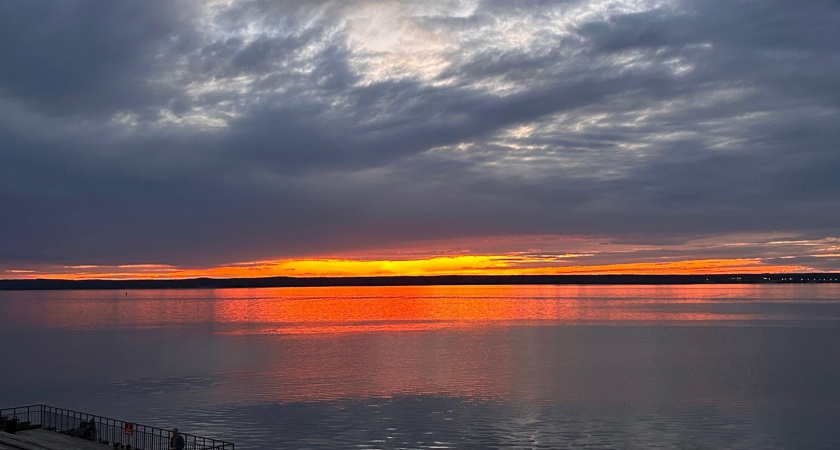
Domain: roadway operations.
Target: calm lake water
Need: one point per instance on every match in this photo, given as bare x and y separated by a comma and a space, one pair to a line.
628, 367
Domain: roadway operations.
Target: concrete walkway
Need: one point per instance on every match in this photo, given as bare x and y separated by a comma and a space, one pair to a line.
39, 439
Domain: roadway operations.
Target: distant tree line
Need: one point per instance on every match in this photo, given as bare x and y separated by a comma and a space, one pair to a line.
444, 280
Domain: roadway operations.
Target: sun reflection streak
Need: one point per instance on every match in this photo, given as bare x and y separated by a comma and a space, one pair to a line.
480, 342
332, 310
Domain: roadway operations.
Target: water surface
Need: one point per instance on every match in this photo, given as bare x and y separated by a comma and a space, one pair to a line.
734, 366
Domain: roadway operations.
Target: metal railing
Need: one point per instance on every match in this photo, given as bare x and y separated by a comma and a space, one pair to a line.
106, 430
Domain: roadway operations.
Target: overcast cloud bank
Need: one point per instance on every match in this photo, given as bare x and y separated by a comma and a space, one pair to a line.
200, 133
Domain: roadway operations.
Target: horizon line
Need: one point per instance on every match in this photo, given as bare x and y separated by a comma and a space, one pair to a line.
417, 280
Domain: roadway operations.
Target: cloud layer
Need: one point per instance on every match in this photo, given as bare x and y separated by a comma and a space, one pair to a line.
210, 132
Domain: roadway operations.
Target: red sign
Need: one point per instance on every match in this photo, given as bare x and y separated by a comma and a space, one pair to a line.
129, 428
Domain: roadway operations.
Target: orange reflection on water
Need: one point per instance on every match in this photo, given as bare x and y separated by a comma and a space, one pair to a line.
382, 304
333, 343
412, 308
373, 309
310, 344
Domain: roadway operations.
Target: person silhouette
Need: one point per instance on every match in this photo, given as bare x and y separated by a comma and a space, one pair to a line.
92, 430
176, 442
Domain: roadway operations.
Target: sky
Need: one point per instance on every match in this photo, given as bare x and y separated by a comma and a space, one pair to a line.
181, 138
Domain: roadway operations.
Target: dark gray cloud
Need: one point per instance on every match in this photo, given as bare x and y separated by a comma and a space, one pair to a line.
202, 133
82, 58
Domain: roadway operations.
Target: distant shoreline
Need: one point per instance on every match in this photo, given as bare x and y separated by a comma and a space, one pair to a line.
436, 280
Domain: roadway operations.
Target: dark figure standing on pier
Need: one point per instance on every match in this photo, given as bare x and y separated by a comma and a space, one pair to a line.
83, 429
176, 442
92, 430
87, 430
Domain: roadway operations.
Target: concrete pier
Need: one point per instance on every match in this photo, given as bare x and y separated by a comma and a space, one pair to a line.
43, 427
39, 439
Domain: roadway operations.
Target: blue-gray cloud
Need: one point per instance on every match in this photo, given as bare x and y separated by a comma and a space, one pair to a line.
202, 133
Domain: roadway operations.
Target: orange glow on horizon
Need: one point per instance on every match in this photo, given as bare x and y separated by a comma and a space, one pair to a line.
442, 265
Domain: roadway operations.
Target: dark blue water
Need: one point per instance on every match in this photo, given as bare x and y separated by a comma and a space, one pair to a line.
448, 367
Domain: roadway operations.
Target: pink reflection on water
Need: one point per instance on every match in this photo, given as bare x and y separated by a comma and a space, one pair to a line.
313, 344
106, 309
375, 309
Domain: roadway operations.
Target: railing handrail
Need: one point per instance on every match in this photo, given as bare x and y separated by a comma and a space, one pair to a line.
42, 410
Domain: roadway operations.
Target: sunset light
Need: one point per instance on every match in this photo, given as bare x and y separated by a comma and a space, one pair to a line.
534, 255
420, 224
455, 265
